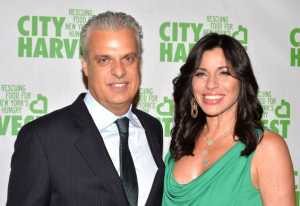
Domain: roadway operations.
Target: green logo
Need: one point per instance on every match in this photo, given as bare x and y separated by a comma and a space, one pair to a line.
222, 25
147, 99
18, 107
242, 35
178, 38
39, 105
295, 47
51, 36
163, 109
277, 114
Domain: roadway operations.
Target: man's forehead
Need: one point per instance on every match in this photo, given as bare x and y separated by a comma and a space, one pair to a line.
105, 30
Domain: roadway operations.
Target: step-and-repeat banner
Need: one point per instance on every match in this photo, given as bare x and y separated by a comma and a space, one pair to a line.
41, 72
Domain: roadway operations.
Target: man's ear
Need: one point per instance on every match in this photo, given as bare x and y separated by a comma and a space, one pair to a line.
84, 66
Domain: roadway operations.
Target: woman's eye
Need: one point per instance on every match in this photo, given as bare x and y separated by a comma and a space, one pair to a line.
199, 74
225, 71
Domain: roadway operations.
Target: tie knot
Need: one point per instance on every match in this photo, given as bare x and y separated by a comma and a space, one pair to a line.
122, 125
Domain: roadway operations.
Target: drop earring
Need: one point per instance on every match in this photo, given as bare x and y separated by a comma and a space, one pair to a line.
194, 108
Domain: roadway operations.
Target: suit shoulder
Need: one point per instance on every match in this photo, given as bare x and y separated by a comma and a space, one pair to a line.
54, 117
49, 127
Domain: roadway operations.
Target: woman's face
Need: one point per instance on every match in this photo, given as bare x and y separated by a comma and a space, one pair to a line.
214, 88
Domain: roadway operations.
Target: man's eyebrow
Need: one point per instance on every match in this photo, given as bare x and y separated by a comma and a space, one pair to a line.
101, 56
130, 54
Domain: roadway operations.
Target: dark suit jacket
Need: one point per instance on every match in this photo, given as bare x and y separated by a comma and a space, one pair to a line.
61, 160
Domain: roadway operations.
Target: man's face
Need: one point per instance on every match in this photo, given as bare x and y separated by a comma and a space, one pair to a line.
112, 68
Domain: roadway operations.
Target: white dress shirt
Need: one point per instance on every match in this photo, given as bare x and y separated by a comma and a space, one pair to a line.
137, 142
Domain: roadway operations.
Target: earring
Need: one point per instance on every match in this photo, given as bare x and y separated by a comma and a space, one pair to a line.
194, 108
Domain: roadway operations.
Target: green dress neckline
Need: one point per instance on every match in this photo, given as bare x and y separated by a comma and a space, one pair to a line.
227, 182
213, 169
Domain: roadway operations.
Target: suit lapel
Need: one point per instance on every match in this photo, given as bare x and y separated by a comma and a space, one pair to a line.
151, 139
155, 194
92, 148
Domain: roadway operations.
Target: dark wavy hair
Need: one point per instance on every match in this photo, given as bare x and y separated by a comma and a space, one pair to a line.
249, 112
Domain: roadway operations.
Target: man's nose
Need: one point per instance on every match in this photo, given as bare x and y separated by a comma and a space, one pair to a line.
118, 69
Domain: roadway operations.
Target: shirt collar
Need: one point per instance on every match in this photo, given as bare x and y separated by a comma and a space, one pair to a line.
102, 117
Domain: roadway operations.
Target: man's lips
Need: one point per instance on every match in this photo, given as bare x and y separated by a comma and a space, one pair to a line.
118, 85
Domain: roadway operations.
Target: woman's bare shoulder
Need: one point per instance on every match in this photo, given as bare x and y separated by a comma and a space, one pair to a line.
270, 142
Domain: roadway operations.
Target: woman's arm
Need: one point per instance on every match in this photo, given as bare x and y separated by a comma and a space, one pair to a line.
272, 171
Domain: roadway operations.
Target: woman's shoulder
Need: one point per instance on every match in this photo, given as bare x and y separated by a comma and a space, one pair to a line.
271, 149
270, 141
272, 169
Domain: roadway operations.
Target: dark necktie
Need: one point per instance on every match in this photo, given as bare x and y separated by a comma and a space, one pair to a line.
127, 170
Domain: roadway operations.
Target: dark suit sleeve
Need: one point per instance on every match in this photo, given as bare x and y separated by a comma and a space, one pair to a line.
29, 177
160, 136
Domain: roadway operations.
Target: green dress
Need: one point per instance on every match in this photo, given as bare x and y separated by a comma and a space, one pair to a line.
226, 183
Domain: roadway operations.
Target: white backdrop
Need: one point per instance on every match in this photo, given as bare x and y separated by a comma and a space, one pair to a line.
40, 68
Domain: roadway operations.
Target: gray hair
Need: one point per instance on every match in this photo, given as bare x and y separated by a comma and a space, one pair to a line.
110, 21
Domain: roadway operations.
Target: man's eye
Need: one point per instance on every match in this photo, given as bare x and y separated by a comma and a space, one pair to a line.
129, 59
103, 60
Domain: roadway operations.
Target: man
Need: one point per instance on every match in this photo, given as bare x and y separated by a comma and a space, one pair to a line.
79, 155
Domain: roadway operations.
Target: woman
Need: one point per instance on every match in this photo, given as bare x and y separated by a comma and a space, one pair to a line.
220, 155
